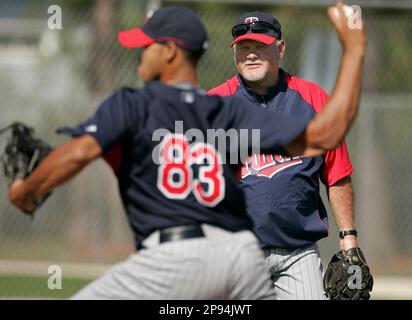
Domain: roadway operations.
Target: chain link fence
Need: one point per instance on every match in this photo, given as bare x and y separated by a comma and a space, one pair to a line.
52, 78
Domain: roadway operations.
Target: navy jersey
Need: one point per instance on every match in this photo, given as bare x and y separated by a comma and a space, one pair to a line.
282, 193
167, 178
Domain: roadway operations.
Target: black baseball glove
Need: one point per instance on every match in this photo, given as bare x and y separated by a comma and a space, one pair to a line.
347, 276
23, 153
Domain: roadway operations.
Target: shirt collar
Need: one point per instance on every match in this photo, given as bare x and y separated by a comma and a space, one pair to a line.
272, 91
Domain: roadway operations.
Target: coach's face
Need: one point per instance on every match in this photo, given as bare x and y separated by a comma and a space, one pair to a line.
150, 62
258, 62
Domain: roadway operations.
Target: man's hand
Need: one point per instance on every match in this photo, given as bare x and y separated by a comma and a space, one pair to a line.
22, 155
352, 39
348, 276
59, 166
20, 198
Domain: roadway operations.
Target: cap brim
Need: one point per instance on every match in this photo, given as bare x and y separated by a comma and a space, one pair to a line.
134, 38
255, 37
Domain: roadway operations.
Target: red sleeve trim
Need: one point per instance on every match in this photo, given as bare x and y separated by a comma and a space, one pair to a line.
337, 162
113, 157
226, 89
312, 93
337, 165
337, 177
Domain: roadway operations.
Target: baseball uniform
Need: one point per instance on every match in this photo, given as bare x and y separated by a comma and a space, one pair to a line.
282, 193
221, 260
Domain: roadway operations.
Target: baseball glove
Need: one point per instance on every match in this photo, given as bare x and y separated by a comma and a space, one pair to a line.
23, 153
347, 276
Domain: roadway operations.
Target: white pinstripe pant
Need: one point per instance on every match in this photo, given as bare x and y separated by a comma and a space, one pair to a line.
296, 274
223, 265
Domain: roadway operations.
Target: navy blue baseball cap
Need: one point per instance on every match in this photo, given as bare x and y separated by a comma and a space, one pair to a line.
257, 26
177, 24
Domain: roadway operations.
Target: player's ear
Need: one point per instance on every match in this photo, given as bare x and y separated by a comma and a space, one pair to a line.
281, 46
170, 51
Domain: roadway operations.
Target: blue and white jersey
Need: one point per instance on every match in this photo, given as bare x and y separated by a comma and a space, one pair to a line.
167, 179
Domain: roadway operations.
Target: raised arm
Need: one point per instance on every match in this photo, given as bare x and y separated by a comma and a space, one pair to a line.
328, 128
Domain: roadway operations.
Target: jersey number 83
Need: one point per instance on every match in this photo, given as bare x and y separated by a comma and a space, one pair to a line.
175, 174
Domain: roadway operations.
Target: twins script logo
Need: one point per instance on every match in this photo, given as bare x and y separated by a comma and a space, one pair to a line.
251, 20
264, 165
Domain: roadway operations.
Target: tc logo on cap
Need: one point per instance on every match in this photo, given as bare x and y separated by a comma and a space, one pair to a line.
250, 20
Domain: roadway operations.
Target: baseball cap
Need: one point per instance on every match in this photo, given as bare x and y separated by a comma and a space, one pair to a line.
257, 26
178, 24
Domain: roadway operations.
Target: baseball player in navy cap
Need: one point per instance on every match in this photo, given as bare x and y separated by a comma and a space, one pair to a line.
184, 205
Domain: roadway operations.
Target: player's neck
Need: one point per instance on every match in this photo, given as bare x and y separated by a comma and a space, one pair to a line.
261, 87
177, 74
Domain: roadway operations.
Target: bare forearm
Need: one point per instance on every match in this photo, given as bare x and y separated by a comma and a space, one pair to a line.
341, 198
329, 127
61, 165
55, 170
341, 202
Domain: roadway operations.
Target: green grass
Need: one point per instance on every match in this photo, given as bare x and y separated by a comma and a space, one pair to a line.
36, 287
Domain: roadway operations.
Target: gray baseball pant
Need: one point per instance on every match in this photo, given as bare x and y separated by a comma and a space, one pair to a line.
296, 274
222, 265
